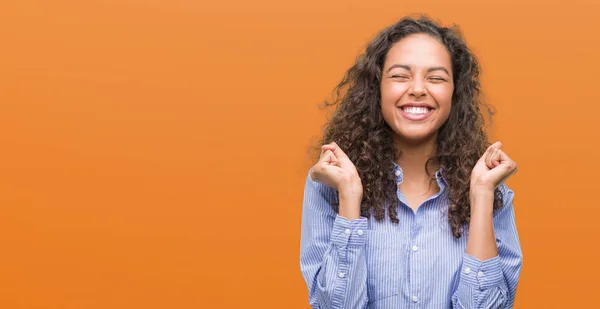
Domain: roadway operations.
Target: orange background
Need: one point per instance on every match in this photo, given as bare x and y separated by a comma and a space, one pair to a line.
154, 152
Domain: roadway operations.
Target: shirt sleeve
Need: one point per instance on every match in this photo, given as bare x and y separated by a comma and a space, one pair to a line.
332, 257
493, 283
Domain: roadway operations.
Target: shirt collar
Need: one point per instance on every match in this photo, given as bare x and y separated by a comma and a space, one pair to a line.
442, 183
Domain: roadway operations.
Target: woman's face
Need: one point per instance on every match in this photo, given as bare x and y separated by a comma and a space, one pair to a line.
416, 87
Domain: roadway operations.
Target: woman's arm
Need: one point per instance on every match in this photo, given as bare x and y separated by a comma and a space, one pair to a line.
332, 257
493, 259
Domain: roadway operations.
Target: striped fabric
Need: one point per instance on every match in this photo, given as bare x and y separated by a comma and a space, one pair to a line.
414, 264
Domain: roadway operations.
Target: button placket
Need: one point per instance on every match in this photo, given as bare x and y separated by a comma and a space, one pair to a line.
413, 261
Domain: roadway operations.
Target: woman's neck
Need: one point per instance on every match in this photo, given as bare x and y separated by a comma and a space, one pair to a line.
413, 157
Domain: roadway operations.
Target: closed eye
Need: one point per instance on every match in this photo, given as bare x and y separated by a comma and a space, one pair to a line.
437, 79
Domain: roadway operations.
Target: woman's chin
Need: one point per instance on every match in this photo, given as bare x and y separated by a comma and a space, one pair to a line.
416, 136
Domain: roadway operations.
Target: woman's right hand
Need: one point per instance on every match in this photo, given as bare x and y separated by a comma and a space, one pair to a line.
335, 170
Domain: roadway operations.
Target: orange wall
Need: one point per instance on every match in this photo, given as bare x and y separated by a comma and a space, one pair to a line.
154, 152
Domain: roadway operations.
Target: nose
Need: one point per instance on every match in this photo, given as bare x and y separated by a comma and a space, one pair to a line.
417, 88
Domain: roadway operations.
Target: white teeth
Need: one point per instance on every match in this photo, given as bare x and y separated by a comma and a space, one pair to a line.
416, 110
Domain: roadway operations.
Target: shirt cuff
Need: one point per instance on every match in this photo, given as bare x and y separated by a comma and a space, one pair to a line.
349, 233
482, 275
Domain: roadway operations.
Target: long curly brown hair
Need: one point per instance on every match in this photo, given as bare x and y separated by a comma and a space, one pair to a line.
358, 127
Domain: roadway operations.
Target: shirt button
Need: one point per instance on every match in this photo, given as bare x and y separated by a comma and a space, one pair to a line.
415, 299
341, 275
347, 231
359, 232
415, 248
397, 173
480, 274
467, 270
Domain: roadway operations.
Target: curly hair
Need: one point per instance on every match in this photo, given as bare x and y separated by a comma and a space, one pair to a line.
358, 127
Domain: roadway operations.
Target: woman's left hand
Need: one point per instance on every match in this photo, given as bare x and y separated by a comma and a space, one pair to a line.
492, 169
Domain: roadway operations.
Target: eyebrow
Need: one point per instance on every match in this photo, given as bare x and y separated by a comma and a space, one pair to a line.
407, 67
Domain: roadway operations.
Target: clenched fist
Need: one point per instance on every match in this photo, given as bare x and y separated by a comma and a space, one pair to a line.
492, 169
335, 170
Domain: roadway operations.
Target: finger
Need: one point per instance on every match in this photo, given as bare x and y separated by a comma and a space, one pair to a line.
502, 156
325, 156
328, 157
332, 160
505, 168
501, 173
488, 153
326, 174
338, 152
494, 145
323, 166
484, 156
496, 158
491, 157
327, 146
505, 159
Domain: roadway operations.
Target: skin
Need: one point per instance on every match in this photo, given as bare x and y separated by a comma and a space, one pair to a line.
418, 69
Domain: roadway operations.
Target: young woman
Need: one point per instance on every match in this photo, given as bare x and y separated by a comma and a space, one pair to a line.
407, 206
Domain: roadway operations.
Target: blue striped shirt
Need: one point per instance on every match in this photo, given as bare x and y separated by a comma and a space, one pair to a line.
417, 263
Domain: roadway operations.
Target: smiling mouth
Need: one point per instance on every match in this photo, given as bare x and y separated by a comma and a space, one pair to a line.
416, 113
416, 110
